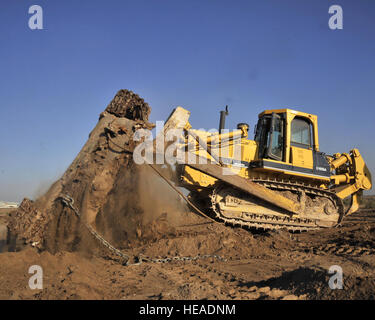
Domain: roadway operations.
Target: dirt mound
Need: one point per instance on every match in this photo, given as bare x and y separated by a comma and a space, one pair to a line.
128, 203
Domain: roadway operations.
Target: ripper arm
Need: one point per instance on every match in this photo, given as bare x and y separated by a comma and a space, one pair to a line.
351, 178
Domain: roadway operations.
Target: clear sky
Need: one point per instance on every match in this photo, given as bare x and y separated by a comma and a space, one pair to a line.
202, 55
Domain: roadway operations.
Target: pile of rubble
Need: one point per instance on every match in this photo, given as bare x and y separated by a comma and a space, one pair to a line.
109, 191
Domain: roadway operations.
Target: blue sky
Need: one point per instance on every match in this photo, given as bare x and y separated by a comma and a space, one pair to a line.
202, 55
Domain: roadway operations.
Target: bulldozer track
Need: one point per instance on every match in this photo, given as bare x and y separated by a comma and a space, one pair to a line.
343, 250
362, 216
269, 222
266, 222
258, 224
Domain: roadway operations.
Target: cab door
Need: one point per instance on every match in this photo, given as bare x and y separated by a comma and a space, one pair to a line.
301, 144
270, 137
276, 144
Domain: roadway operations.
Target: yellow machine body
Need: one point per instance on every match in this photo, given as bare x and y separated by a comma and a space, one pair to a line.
280, 166
294, 156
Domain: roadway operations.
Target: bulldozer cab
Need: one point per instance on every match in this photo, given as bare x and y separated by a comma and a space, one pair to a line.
288, 141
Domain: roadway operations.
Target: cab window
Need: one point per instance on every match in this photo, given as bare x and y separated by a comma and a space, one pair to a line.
277, 138
270, 137
301, 132
262, 135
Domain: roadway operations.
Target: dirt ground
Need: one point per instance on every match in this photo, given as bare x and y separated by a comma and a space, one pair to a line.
272, 265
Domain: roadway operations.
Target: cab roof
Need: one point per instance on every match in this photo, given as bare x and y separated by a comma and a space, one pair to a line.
290, 111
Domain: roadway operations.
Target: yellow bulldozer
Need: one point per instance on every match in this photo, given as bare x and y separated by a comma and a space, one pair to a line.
280, 179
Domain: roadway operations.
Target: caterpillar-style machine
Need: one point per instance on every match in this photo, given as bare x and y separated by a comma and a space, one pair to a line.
280, 179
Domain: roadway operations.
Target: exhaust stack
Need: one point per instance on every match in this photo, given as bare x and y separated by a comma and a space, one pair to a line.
223, 114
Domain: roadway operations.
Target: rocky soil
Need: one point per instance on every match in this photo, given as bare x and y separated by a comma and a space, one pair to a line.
274, 265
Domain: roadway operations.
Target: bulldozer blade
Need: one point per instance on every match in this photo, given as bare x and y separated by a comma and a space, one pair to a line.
249, 187
178, 119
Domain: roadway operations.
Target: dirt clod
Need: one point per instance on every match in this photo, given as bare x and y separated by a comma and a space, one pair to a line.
129, 105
